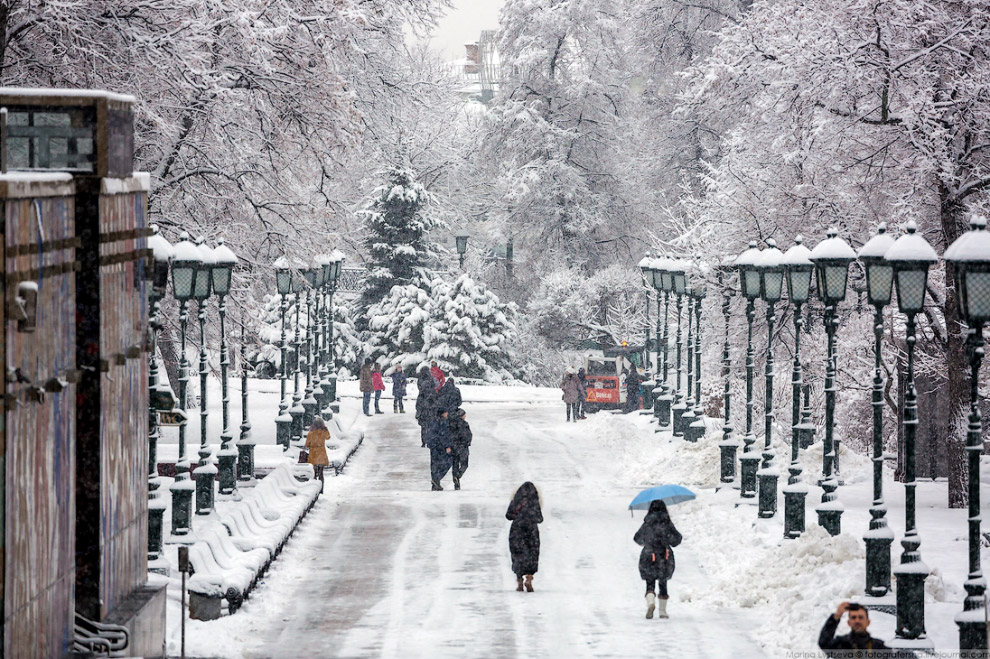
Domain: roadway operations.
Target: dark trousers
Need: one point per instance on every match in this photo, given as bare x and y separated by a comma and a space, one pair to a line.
459, 455
422, 434
319, 474
366, 401
397, 404
572, 409
651, 588
439, 464
378, 397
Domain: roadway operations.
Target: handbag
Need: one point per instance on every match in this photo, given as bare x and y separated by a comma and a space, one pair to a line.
303, 456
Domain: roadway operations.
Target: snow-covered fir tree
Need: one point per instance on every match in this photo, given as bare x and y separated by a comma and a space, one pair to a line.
398, 245
348, 348
396, 326
469, 330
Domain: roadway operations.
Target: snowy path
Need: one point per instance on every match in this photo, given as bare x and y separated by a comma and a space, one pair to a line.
385, 567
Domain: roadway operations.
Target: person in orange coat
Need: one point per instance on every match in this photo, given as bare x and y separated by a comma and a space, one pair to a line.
316, 440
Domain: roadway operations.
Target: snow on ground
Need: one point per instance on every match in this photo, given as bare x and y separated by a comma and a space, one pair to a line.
384, 567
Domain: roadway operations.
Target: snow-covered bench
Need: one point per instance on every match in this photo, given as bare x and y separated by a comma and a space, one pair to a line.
208, 575
342, 444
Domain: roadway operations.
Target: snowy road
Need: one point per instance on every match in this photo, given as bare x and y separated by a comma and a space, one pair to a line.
383, 567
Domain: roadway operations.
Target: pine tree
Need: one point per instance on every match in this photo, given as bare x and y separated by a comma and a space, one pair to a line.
396, 326
469, 330
398, 247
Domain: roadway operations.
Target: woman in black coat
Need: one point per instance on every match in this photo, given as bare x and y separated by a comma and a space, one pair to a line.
426, 404
524, 534
658, 537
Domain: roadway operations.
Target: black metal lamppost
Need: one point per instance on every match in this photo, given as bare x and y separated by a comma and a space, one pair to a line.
799, 269
699, 288
297, 411
831, 257
678, 273
727, 447
161, 255
879, 537
970, 258
664, 267
653, 281
186, 267
336, 263
205, 472
245, 443
321, 388
646, 267
283, 284
910, 256
309, 402
688, 417
749, 284
223, 271
461, 240
771, 269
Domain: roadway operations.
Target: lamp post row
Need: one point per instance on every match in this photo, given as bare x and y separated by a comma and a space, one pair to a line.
890, 265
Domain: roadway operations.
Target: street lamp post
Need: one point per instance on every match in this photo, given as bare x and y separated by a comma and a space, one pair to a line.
321, 391
245, 444
749, 284
910, 256
283, 284
461, 240
799, 269
665, 277
205, 472
879, 280
309, 402
333, 276
297, 411
970, 257
696, 430
771, 269
646, 267
162, 253
223, 272
688, 416
186, 262
727, 447
831, 257
678, 271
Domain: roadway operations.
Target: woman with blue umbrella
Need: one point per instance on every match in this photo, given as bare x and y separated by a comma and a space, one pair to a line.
658, 536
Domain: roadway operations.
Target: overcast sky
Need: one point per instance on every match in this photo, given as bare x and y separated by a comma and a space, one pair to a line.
464, 23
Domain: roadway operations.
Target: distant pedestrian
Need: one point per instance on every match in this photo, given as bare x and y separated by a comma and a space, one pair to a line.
398, 390
858, 639
378, 385
438, 439
438, 376
633, 381
316, 444
449, 396
571, 386
426, 402
526, 512
460, 444
658, 537
366, 386
583, 377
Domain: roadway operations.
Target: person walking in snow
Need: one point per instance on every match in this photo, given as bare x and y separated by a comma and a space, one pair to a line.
525, 512
449, 396
438, 376
316, 444
460, 444
633, 381
583, 377
366, 386
426, 402
378, 385
571, 386
658, 537
857, 642
438, 439
398, 390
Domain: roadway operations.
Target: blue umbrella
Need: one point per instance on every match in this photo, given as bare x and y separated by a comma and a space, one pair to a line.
669, 494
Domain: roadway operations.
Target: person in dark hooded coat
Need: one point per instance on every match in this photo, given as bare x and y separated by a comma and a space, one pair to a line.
460, 440
658, 537
438, 439
526, 513
449, 396
426, 402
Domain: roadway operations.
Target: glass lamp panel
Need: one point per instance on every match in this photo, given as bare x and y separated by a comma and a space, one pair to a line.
835, 281
879, 279
326, 273
773, 284
204, 281
666, 281
309, 274
461, 244
183, 278
799, 285
977, 299
283, 281
221, 279
751, 283
335, 270
655, 279
679, 283
911, 289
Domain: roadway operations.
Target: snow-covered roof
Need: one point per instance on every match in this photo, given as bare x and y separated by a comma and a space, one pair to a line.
646, 262
281, 262
797, 255
161, 248
205, 253
911, 247
974, 245
748, 257
66, 93
877, 246
185, 249
321, 259
833, 248
771, 257
222, 254
662, 263
337, 255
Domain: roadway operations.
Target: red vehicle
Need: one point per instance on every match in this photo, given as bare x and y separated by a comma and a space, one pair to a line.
605, 376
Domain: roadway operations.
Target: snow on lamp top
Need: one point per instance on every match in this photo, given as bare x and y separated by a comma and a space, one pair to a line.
798, 255
223, 254
161, 248
879, 273
749, 276
911, 256
185, 249
770, 266
974, 245
911, 247
970, 258
832, 248
798, 266
877, 246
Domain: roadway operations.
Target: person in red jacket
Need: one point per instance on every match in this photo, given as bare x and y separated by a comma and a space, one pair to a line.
438, 377
378, 385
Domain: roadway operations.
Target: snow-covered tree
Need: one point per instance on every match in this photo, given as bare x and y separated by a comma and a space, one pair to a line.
396, 326
348, 348
470, 330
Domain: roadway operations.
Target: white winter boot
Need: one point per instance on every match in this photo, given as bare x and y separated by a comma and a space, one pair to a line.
651, 604
662, 613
